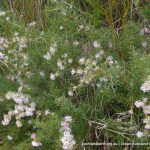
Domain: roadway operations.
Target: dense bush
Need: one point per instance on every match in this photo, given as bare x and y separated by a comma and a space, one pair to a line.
69, 82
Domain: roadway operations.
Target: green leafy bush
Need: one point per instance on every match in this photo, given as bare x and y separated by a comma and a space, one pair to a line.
72, 83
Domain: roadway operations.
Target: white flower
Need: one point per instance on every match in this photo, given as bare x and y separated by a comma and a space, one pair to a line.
147, 126
139, 104
61, 27
81, 27
6, 120
98, 85
62, 68
9, 95
75, 43
70, 61
82, 60
144, 44
9, 137
22, 107
97, 55
60, 65
63, 12
65, 55
7, 18
73, 71
18, 123
47, 112
87, 28
1, 56
33, 136
16, 34
52, 76
36, 144
52, 50
146, 86
104, 79
56, 74
33, 105
47, 56
110, 60
146, 120
20, 89
42, 74
54, 1
139, 134
79, 71
68, 118
70, 6
67, 139
110, 45
29, 111
145, 31
146, 109
70, 93
42, 33
144, 100
96, 44
30, 122
130, 111
32, 24
2, 13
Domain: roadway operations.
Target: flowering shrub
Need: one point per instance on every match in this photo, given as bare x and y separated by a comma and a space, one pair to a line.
72, 83
67, 138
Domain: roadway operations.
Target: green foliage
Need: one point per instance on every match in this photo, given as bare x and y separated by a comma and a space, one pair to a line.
90, 107
146, 12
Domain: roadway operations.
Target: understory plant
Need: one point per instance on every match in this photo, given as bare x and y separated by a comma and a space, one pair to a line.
71, 84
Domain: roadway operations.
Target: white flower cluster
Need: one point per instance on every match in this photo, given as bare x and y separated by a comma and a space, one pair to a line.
110, 45
42, 74
32, 24
76, 43
67, 139
23, 108
2, 13
21, 41
145, 31
2, 56
3, 43
61, 64
142, 104
16, 58
102, 81
111, 61
99, 54
84, 27
47, 112
35, 143
51, 52
146, 85
144, 44
146, 108
139, 134
9, 137
139, 104
146, 121
96, 44
86, 71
